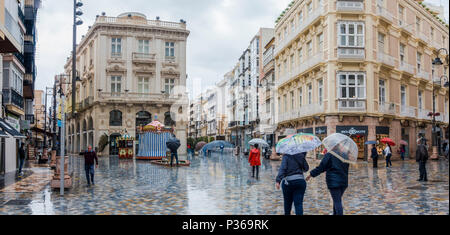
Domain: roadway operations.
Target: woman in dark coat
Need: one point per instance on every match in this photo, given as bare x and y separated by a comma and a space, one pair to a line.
291, 177
374, 156
336, 177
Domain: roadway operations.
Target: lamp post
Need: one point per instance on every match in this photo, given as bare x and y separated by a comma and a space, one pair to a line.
76, 22
439, 62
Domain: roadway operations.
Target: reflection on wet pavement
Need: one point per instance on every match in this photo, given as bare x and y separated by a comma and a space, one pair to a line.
221, 184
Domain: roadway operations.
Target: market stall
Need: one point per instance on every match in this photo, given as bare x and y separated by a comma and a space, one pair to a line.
126, 144
152, 141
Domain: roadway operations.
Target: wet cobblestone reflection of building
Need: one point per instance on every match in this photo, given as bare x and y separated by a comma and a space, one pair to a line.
222, 185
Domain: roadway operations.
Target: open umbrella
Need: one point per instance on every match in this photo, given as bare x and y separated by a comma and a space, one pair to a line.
402, 142
342, 147
388, 141
217, 144
370, 142
259, 142
200, 145
173, 144
299, 143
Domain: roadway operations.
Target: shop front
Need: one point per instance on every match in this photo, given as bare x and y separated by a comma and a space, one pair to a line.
306, 131
359, 135
321, 132
381, 133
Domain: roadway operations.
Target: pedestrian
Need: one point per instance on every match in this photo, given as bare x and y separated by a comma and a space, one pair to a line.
89, 157
402, 151
292, 180
374, 156
173, 145
388, 154
336, 178
21, 158
422, 158
254, 159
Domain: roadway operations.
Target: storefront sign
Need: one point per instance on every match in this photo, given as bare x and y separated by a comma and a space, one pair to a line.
306, 131
382, 130
289, 132
352, 130
323, 130
13, 122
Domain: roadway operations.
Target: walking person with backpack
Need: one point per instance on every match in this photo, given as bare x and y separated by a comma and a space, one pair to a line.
388, 154
292, 180
422, 158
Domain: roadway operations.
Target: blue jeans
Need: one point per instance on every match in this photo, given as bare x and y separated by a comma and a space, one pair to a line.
388, 160
336, 194
21, 163
89, 173
172, 156
402, 155
294, 192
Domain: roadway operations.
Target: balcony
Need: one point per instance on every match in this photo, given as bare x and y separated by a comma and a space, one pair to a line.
353, 105
350, 6
387, 108
351, 53
304, 66
440, 118
423, 114
407, 68
386, 59
408, 111
424, 38
116, 55
281, 44
144, 98
137, 21
170, 59
304, 111
385, 15
79, 107
408, 28
11, 97
88, 102
424, 75
144, 57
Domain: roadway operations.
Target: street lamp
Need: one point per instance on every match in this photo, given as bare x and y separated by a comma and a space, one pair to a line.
76, 22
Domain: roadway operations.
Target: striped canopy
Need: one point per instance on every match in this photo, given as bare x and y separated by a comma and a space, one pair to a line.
153, 145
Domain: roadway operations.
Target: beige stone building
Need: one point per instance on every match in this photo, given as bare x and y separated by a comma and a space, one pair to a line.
133, 71
362, 68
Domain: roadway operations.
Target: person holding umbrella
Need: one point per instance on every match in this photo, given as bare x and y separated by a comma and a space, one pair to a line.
173, 144
388, 154
342, 151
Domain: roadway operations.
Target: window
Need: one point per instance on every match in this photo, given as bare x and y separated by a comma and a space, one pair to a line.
300, 95
310, 93
292, 100
268, 106
285, 63
91, 53
403, 97
292, 62
320, 42
400, 15
309, 46
292, 26
300, 56
381, 42
419, 61
351, 34
170, 49
300, 18
144, 46
380, 5
285, 103
115, 118
309, 7
169, 85
319, 3
116, 88
116, 46
432, 33
279, 105
320, 90
17, 81
382, 92
143, 85
352, 87
418, 22
285, 33
402, 53
420, 105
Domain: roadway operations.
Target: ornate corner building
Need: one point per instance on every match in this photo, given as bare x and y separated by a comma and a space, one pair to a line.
362, 68
130, 70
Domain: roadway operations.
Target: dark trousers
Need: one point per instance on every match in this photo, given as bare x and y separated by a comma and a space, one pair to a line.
336, 194
21, 163
388, 160
294, 193
89, 173
174, 154
423, 170
255, 168
403, 156
375, 163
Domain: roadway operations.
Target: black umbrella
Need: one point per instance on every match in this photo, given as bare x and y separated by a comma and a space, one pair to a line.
173, 144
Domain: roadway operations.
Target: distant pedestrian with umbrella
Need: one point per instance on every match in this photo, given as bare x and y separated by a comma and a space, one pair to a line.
254, 159
342, 151
374, 153
293, 166
422, 158
173, 144
388, 150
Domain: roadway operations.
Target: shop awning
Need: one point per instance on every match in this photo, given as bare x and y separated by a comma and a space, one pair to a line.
5, 127
3, 134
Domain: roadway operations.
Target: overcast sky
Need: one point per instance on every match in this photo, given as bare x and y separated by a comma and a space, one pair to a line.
220, 31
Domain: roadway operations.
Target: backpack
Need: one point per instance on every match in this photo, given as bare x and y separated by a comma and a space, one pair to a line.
422, 153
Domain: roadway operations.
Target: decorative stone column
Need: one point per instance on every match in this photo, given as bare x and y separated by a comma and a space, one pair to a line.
56, 181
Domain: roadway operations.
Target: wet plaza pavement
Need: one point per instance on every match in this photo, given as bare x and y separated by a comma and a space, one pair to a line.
221, 185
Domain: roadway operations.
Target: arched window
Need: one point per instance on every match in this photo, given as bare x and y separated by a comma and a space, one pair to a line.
168, 120
115, 118
143, 118
90, 124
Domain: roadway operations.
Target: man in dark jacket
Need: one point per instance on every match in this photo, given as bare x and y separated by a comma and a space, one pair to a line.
89, 157
337, 179
422, 158
21, 158
374, 156
173, 144
294, 186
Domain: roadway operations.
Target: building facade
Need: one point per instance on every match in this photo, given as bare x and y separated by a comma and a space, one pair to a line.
132, 71
361, 68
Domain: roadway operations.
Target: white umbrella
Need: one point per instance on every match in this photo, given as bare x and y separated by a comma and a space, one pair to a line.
260, 142
342, 147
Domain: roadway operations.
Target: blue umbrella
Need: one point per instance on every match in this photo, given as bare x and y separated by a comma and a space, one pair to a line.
217, 144
370, 142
